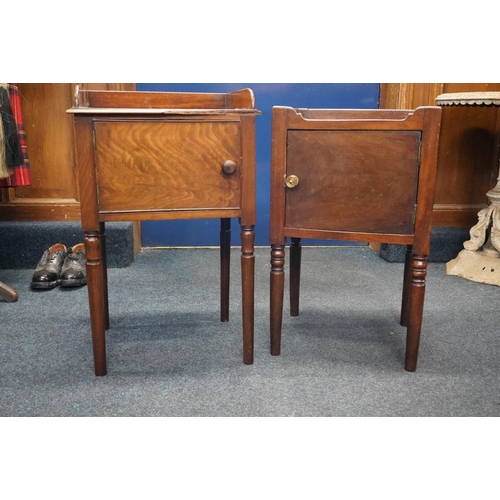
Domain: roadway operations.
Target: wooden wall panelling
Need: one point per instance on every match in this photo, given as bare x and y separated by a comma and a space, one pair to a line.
409, 95
468, 151
53, 194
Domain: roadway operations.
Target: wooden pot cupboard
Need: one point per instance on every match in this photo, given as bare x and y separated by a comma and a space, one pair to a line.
355, 175
160, 156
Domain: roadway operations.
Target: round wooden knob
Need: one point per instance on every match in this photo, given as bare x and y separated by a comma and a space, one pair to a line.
229, 167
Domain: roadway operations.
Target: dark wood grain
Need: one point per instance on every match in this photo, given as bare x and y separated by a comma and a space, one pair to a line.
95, 288
104, 257
405, 300
351, 181
363, 175
225, 263
295, 264
242, 99
277, 279
248, 286
84, 159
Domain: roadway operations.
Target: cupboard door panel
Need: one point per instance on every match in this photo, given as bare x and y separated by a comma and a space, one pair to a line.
348, 181
167, 166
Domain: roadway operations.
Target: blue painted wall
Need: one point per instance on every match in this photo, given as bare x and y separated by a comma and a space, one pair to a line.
298, 95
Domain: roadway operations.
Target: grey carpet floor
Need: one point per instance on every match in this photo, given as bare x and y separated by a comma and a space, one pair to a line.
170, 356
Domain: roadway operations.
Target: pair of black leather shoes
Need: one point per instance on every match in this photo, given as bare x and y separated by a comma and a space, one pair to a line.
61, 266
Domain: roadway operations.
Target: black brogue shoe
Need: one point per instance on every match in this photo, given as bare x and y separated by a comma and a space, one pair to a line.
48, 271
74, 271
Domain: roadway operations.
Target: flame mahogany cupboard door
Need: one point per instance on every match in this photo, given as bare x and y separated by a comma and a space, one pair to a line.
355, 175
150, 165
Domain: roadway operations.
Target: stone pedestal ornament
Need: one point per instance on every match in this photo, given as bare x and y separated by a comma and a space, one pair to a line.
479, 261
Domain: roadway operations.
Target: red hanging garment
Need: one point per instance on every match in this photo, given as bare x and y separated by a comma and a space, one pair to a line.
20, 173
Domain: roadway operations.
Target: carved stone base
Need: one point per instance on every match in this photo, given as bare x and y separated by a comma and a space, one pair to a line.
478, 266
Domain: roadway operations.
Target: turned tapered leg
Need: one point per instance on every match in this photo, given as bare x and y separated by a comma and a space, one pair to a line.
295, 259
95, 285
406, 286
225, 260
247, 281
104, 259
276, 296
415, 310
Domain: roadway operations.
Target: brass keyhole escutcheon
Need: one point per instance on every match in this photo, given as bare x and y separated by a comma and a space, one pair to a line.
229, 167
291, 181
